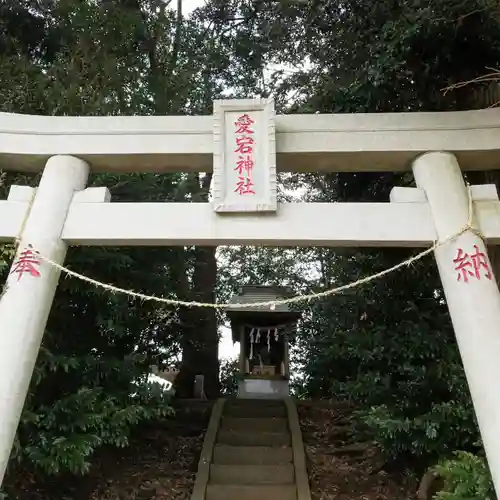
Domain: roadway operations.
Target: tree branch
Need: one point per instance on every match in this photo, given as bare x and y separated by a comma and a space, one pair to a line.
177, 37
427, 487
494, 76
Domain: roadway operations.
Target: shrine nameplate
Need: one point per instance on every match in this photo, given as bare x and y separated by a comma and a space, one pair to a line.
244, 178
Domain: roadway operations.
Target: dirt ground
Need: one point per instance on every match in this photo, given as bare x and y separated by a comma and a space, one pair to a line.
162, 459
340, 469
159, 464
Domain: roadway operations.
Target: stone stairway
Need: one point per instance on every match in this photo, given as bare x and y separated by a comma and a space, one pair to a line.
253, 454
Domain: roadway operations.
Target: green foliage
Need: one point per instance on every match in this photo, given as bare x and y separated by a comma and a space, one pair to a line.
403, 434
64, 436
466, 477
6, 256
79, 403
229, 370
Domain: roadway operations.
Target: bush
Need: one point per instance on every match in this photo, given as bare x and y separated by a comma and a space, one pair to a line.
78, 404
466, 477
426, 436
229, 372
62, 437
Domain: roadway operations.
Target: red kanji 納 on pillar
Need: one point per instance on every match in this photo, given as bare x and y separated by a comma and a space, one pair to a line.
474, 265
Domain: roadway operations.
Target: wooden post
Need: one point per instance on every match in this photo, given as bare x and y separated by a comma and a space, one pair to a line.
242, 350
286, 357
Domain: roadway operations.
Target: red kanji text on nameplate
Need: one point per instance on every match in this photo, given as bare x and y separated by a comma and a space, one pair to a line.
244, 177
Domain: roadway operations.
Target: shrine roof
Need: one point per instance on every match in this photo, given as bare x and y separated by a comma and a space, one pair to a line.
250, 294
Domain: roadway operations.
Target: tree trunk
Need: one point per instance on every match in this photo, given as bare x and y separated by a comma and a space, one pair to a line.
206, 282
200, 342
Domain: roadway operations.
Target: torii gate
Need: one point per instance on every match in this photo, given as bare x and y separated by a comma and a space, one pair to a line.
244, 142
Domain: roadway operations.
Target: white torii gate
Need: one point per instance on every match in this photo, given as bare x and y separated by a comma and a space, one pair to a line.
245, 143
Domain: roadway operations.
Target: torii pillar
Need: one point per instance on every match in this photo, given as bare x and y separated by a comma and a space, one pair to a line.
471, 293
27, 298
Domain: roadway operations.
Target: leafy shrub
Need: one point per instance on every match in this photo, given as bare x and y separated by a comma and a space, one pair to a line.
424, 435
62, 437
92, 402
229, 371
466, 477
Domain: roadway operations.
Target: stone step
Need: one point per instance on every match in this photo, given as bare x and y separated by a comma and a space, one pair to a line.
251, 492
252, 474
252, 455
255, 410
252, 401
255, 424
253, 438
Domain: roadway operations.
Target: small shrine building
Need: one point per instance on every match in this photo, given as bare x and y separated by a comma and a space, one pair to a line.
264, 334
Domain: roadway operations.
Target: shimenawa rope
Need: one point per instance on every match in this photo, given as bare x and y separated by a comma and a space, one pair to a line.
272, 303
